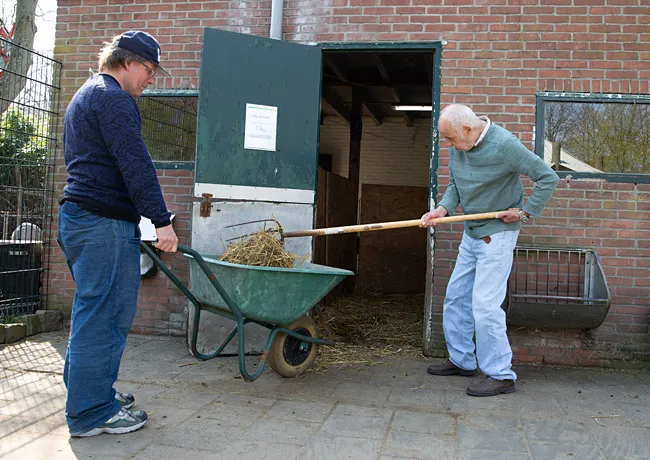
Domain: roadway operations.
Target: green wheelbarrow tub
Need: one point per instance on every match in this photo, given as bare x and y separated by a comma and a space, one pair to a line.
267, 294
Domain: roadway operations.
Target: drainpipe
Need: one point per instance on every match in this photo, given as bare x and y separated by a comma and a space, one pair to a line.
276, 19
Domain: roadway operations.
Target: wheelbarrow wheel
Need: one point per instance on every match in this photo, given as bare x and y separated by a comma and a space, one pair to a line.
290, 357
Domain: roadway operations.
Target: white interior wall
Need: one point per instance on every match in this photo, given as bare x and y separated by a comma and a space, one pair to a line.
391, 154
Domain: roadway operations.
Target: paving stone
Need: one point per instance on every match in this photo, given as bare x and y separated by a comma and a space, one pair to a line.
231, 414
152, 371
393, 410
156, 452
424, 423
419, 446
557, 431
23, 446
559, 450
357, 426
361, 393
291, 410
253, 450
498, 433
122, 445
288, 431
37, 405
338, 448
199, 433
623, 442
68, 453
418, 397
492, 455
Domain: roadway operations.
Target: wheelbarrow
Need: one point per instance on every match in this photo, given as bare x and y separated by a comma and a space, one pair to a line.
275, 298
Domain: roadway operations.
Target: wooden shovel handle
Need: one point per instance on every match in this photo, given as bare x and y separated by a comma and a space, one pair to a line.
386, 225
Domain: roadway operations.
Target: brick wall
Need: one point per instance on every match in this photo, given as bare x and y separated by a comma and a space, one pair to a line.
161, 306
498, 55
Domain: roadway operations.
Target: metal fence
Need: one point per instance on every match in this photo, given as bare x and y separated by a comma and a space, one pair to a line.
29, 104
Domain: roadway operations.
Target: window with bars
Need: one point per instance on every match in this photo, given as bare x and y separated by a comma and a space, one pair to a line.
169, 126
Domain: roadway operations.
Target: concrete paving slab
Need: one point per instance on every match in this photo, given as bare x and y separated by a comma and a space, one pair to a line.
306, 412
623, 441
418, 397
497, 433
326, 446
557, 451
492, 455
157, 452
22, 446
357, 426
199, 433
255, 450
361, 393
392, 410
287, 431
424, 423
419, 446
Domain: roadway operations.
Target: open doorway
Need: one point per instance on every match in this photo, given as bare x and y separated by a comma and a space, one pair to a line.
375, 165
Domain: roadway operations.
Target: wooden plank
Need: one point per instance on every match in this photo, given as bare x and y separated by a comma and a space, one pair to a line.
393, 261
341, 249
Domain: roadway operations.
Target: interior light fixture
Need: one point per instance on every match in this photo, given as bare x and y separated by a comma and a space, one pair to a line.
413, 108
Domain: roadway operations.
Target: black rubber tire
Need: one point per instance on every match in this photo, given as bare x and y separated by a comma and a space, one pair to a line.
290, 357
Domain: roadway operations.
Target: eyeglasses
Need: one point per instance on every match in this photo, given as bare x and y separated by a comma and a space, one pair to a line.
152, 72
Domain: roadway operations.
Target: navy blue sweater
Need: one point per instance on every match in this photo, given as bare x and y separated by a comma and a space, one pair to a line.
110, 171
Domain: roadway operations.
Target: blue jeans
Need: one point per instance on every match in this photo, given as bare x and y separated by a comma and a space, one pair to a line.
104, 258
472, 305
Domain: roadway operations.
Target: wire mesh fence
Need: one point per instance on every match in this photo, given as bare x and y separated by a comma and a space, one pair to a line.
29, 103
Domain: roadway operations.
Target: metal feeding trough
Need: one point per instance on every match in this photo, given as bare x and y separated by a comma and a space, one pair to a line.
556, 288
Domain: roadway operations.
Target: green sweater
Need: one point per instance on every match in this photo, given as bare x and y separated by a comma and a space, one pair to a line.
487, 178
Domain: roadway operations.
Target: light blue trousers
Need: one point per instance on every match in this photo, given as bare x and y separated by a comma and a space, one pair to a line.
472, 305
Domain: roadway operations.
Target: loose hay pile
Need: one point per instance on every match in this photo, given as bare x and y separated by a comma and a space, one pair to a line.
369, 328
263, 249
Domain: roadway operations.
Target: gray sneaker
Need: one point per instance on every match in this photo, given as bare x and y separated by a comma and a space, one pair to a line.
126, 400
125, 421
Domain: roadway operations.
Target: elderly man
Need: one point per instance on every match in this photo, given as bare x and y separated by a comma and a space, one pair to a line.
111, 183
485, 164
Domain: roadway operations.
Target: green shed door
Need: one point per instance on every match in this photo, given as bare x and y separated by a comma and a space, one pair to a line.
258, 121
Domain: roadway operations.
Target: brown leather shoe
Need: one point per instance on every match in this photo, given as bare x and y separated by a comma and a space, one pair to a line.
487, 386
449, 368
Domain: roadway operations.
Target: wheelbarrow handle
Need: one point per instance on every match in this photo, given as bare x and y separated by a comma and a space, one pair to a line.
386, 225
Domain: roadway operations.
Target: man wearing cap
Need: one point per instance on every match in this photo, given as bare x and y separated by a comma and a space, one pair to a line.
111, 183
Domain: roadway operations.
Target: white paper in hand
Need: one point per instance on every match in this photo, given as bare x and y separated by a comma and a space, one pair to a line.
148, 230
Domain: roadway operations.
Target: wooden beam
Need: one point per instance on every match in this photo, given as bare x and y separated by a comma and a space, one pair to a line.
385, 75
374, 113
336, 103
356, 128
329, 62
365, 95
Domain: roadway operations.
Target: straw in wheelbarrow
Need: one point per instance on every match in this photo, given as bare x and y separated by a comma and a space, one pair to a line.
261, 249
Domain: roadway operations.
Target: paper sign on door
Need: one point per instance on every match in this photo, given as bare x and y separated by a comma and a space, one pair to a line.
260, 130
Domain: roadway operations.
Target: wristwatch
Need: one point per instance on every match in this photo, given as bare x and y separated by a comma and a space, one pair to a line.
522, 216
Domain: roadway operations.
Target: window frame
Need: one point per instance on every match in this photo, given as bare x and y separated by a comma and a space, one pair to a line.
543, 97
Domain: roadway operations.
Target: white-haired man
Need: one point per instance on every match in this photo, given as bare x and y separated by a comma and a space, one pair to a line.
485, 165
